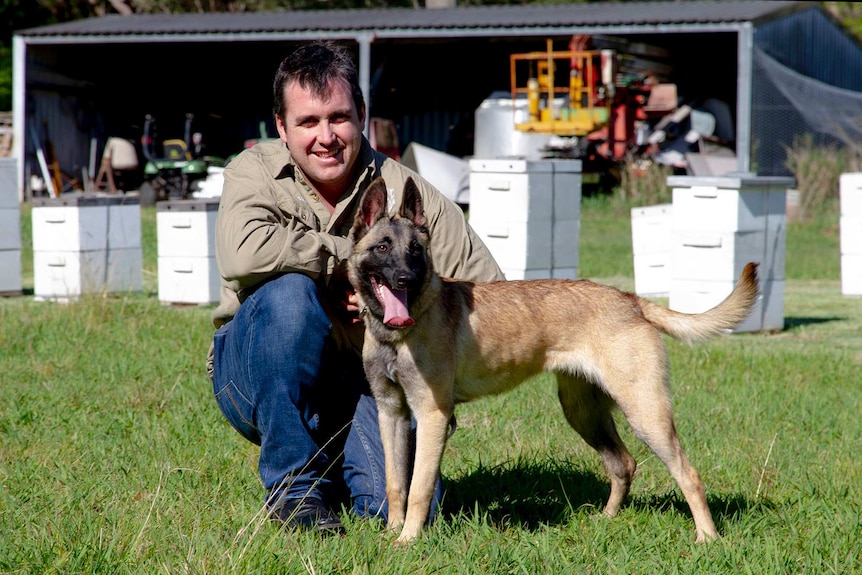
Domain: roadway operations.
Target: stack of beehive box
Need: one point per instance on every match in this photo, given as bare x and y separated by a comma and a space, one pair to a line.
10, 229
528, 214
186, 251
720, 224
851, 233
86, 243
651, 249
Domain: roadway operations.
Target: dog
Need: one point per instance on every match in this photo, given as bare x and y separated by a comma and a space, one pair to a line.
433, 342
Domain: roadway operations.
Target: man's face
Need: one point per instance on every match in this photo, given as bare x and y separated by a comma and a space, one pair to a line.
323, 135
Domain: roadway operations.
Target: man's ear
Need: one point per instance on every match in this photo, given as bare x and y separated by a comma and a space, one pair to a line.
282, 132
372, 207
411, 204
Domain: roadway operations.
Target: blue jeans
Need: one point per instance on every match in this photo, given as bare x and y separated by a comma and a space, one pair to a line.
280, 381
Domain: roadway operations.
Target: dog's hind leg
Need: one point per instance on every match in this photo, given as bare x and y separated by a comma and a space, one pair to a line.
588, 411
648, 411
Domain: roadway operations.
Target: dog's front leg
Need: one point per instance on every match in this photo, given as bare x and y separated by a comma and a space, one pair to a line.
394, 422
431, 430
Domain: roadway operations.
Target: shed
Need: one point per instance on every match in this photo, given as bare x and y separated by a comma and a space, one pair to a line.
78, 83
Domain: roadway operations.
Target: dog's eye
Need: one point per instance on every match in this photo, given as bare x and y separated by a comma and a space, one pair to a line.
415, 248
382, 248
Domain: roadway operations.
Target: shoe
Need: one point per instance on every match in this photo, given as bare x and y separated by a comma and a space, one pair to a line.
308, 513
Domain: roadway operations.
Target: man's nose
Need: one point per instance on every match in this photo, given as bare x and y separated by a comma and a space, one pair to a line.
326, 135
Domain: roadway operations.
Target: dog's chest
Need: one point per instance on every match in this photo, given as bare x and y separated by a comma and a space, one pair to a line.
394, 363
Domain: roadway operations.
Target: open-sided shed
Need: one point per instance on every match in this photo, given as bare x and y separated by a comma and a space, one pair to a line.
80, 82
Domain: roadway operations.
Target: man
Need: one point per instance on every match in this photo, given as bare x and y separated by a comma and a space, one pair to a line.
285, 360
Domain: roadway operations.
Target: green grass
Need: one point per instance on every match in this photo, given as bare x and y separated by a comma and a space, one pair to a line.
115, 459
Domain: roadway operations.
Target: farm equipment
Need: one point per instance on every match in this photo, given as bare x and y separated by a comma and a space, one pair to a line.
179, 168
569, 103
593, 111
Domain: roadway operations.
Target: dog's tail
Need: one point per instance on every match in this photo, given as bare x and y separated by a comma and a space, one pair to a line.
694, 328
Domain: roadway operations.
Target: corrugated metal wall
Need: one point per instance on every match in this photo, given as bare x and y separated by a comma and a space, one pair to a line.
59, 127
813, 45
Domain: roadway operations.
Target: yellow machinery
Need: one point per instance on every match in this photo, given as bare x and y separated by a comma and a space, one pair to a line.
565, 105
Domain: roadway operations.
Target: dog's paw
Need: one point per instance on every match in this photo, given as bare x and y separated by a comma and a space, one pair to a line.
705, 538
404, 540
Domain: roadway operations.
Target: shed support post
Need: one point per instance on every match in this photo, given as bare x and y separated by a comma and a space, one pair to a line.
19, 112
745, 56
364, 41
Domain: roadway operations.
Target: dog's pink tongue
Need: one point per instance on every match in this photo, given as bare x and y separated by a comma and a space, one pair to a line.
395, 307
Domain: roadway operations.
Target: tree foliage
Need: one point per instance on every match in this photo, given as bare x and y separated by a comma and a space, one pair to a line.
63, 10
849, 14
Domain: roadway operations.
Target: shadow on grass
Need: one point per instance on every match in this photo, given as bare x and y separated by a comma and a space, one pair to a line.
726, 508
533, 494
526, 493
791, 323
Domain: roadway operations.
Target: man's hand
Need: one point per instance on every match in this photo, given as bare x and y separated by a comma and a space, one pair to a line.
345, 297
351, 306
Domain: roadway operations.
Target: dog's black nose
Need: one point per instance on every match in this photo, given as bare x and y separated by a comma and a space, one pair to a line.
403, 281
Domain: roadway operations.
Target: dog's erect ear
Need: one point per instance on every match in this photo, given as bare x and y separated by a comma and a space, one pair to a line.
411, 204
372, 207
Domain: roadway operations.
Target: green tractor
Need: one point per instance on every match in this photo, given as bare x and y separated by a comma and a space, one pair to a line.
178, 169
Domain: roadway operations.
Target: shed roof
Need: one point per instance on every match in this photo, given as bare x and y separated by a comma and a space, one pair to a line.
405, 22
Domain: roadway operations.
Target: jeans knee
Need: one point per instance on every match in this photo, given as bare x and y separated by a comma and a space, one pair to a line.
289, 309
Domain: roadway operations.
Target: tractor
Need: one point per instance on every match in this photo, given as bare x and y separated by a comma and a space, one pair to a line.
176, 168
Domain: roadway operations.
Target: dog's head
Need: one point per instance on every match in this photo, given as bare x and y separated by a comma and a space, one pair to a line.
390, 263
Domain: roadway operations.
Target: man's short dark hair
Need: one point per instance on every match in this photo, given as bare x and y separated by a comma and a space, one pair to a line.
315, 66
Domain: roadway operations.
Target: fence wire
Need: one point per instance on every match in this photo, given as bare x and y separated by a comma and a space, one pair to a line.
786, 104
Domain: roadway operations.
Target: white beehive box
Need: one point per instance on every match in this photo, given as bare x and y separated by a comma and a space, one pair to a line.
10, 251
517, 245
188, 280
86, 222
528, 214
87, 243
719, 225
651, 249
10, 272
850, 193
715, 255
186, 251
10, 229
851, 234
731, 204
65, 275
851, 274
652, 274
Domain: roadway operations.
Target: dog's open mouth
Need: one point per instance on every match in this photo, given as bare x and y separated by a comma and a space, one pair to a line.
394, 302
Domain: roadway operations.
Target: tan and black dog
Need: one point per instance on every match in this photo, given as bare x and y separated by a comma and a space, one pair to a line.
431, 343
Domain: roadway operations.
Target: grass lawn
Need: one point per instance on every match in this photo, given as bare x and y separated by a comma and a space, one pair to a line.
115, 459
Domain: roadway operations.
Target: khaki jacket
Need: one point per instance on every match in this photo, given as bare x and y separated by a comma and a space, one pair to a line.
271, 222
